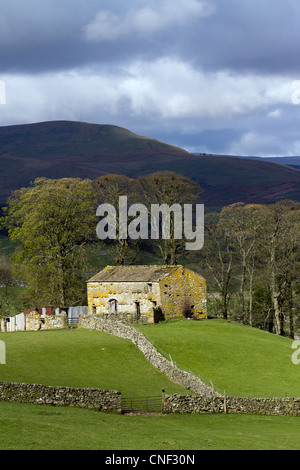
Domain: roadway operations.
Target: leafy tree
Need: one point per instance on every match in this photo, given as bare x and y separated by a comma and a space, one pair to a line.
51, 222
6, 281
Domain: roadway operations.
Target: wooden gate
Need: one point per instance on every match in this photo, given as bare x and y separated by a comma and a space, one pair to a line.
141, 404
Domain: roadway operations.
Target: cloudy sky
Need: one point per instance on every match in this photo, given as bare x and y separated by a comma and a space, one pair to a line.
220, 76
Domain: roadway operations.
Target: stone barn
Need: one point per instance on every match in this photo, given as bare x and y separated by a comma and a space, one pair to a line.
147, 293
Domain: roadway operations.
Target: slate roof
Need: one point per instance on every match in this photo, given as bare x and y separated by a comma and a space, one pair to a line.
133, 273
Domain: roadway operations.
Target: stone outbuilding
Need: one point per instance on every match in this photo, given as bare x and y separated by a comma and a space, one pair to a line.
34, 320
147, 293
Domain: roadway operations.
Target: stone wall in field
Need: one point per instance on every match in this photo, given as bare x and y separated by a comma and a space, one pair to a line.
176, 375
230, 405
102, 400
110, 400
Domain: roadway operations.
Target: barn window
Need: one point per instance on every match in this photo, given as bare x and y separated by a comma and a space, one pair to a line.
149, 287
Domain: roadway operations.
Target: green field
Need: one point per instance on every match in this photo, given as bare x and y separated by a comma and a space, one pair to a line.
34, 427
239, 359
81, 358
236, 358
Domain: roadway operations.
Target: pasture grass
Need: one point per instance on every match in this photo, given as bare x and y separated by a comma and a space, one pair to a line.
81, 358
241, 360
35, 427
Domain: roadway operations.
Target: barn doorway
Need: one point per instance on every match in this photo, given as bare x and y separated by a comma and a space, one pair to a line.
138, 310
113, 306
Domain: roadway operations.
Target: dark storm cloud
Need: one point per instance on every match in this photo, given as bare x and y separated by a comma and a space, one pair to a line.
258, 35
209, 74
39, 36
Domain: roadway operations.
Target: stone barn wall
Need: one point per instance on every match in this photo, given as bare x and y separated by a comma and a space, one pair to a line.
127, 295
183, 293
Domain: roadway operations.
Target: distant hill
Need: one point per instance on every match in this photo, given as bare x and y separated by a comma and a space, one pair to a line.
293, 162
60, 149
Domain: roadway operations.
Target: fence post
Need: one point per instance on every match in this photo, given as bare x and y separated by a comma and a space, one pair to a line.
163, 400
225, 403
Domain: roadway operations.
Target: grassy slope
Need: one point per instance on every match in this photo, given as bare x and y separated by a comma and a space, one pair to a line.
241, 360
34, 427
90, 358
81, 358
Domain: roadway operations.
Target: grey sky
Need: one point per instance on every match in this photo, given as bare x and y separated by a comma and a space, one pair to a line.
209, 76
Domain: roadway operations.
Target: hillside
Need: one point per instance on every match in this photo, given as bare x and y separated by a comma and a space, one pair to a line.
241, 360
91, 358
73, 149
293, 162
81, 358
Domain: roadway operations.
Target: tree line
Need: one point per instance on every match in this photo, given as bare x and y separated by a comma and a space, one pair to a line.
250, 253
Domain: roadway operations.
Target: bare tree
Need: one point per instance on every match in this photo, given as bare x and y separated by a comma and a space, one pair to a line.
244, 223
109, 188
171, 189
219, 254
279, 247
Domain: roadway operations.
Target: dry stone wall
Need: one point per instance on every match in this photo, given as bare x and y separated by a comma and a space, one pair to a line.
102, 400
230, 405
176, 375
